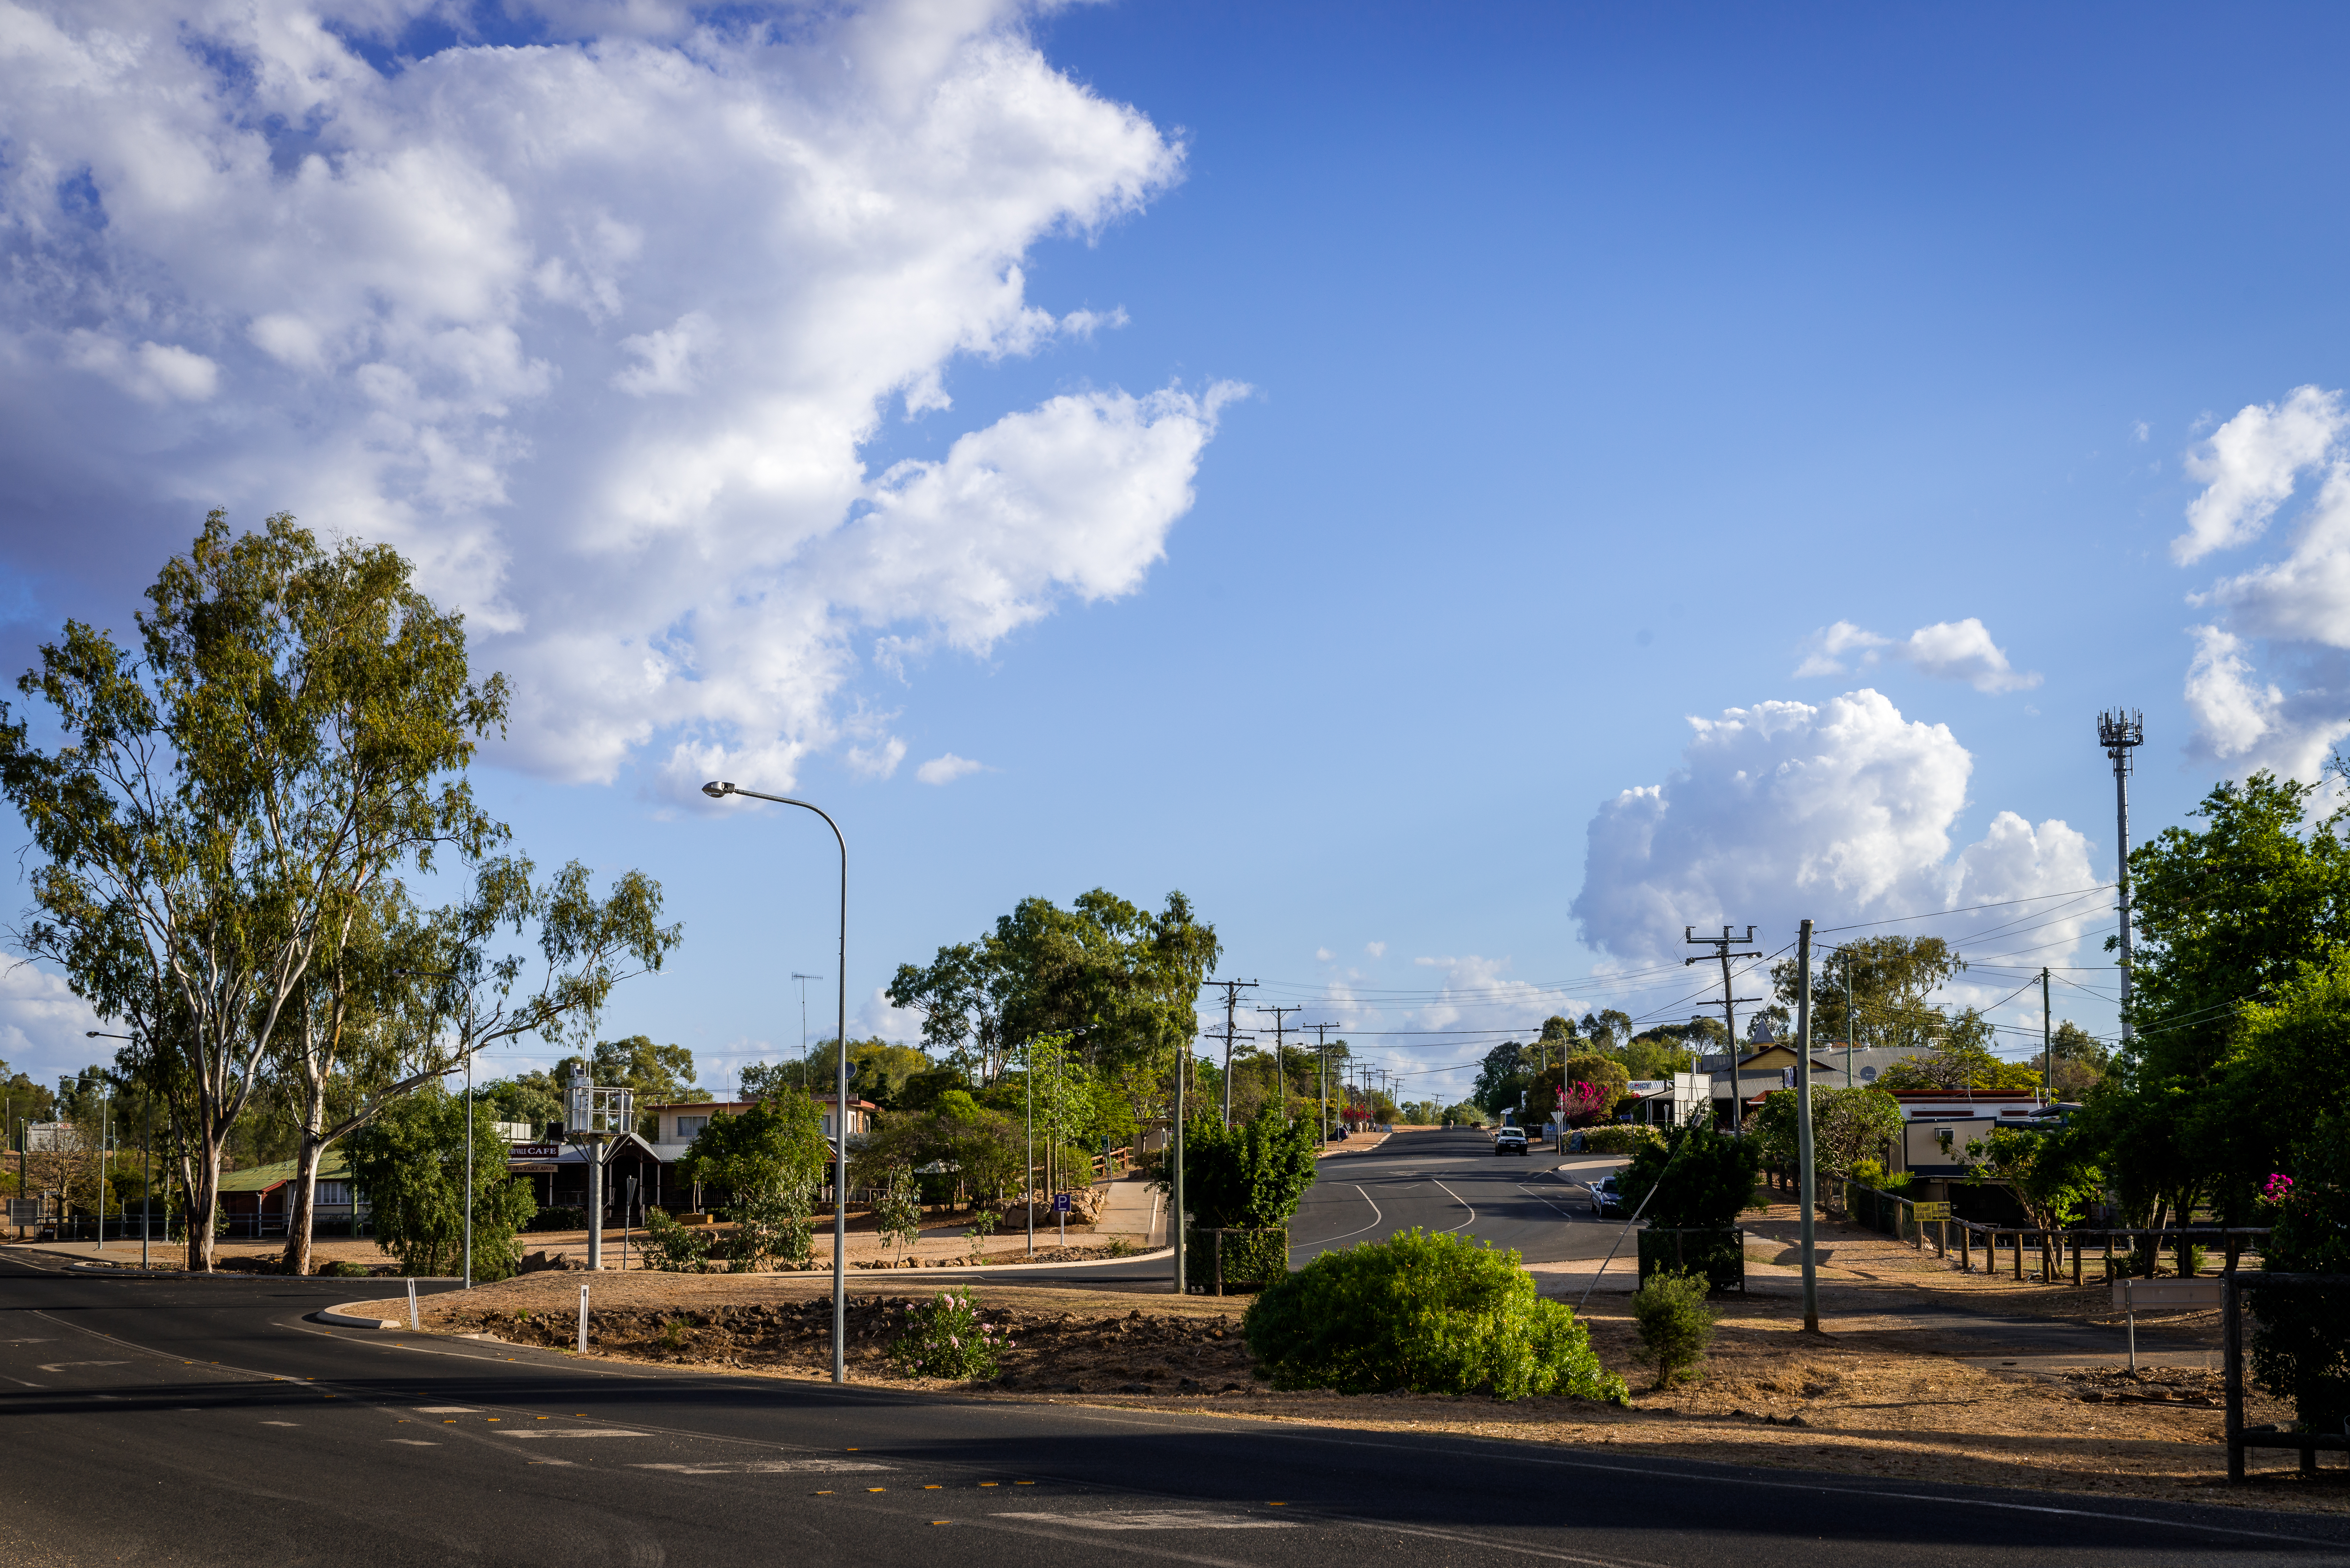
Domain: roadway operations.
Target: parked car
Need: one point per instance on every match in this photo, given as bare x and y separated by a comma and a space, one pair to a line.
1511, 1140
1607, 1198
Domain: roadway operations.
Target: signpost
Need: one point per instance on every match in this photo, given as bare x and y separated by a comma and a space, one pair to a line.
1925, 1211
2130, 1294
1061, 1215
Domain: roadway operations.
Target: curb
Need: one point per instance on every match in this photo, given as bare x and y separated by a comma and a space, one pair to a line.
333, 1319
1013, 1268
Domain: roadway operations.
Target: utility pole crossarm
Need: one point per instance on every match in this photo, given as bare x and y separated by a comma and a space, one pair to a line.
1722, 955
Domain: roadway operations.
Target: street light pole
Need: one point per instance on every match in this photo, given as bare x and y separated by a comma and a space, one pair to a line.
717, 791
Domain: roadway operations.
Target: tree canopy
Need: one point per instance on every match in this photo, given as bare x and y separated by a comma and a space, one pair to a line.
1121, 982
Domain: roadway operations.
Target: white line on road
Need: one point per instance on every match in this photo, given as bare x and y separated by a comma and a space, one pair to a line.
578, 1432
413, 1442
1377, 1220
766, 1467
1464, 1203
1155, 1519
61, 1365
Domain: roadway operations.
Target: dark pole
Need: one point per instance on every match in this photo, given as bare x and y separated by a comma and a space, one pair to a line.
840, 1094
1175, 1154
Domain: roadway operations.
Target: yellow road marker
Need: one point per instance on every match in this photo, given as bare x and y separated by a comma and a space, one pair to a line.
932, 1487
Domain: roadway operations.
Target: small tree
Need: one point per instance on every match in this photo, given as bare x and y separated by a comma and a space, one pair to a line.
770, 1160
2052, 1173
1245, 1178
409, 1164
1702, 1179
898, 1212
1675, 1324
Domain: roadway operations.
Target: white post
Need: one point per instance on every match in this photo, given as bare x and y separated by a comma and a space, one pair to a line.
411, 1306
583, 1319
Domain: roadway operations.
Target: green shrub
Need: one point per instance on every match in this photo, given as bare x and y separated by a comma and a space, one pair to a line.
344, 1269
411, 1163
2301, 1337
1621, 1137
671, 1248
946, 1337
1676, 1325
1437, 1315
1247, 1177
1701, 1179
770, 1227
1238, 1257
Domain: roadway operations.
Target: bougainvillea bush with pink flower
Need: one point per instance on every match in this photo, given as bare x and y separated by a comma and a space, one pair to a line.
947, 1338
2301, 1337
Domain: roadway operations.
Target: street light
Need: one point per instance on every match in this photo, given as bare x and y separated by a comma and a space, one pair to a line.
717, 791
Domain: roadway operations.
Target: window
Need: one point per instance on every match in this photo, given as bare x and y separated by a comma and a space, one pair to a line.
334, 1194
689, 1128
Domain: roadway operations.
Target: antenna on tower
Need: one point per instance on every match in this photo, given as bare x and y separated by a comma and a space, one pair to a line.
2120, 732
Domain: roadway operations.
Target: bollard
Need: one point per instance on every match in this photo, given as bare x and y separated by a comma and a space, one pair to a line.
583, 1319
411, 1306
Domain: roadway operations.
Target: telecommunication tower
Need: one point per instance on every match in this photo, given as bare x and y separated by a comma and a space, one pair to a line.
2121, 732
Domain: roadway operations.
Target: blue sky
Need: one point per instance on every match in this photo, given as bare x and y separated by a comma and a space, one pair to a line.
1595, 363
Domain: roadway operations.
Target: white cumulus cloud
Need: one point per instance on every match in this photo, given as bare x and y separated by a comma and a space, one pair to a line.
2268, 683
2250, 465
597, 323
1841, 811
945, 770
1947, 651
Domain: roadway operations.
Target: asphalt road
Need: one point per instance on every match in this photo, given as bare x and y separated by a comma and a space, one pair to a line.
1454, 1181
170, 1419
197, 1421
1449, 1180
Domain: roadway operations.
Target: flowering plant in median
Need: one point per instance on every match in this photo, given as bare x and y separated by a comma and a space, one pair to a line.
945, 1337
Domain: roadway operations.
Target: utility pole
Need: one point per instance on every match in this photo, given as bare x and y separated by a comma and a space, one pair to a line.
1721, 954
2120, 732
2047, 1041
1320, 1076
1233, 988
1806, 1178
1280, 1050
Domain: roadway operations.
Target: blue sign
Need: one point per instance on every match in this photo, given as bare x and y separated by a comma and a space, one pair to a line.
1060, 1203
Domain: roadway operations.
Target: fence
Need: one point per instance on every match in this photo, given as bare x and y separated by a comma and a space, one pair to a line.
1897, 1216
2051, 1245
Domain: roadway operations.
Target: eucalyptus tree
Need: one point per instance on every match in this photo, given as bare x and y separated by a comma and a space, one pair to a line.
289, 731
430, 993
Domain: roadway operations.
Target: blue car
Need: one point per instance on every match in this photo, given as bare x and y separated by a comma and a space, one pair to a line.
1606, 1200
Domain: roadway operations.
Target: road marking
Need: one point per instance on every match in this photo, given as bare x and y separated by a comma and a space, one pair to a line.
766, 1467
1464, 1203
448, 1409
415, 1442
572, 1432
281, 1423
1155, 1519
24, 1342
61, 1365
22, 1384
1377, 1220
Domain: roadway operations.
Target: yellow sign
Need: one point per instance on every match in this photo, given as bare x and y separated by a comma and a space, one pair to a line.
1924, 1211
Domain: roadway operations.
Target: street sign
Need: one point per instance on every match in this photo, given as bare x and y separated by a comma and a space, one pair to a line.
2134, 1295
1060, 1203
1930, 1210
24, 1212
